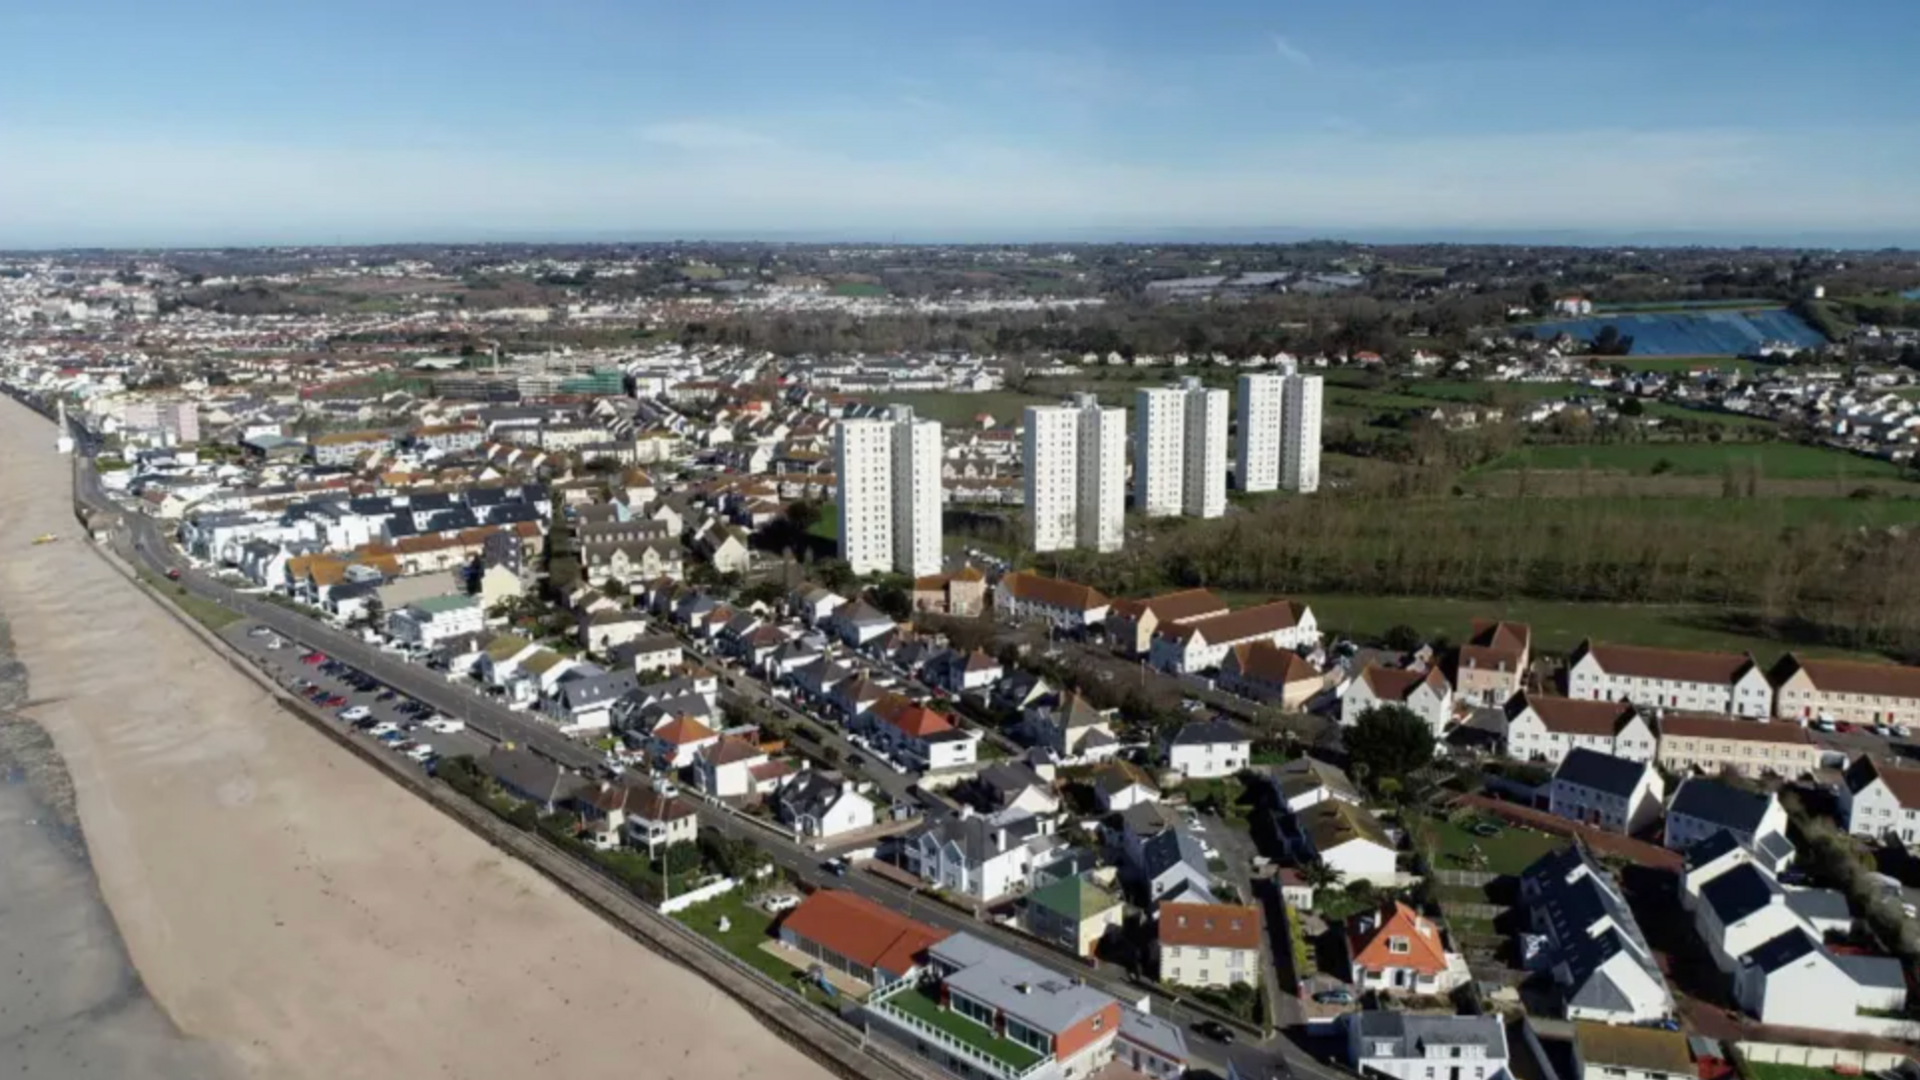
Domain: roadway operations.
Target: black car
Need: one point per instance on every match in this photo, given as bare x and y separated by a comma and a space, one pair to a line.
1215, 1030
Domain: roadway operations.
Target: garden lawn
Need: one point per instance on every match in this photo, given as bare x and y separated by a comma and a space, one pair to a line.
1513, 850
957, 409
918, 1004
748, 928
1761, 1070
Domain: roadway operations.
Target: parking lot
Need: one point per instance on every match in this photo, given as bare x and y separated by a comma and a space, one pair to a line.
339, 687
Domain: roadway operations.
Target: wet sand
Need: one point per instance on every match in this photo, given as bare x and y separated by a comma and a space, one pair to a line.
290, 911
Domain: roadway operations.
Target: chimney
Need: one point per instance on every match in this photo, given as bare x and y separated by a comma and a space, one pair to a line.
1000, 838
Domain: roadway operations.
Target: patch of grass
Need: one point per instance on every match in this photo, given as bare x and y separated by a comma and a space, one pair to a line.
1557, 626
748, 927
1450, 847
958, 408
1763, 1070
205, 612
1228, 795
1774, 459
858, 288
1685, 363
921, 1006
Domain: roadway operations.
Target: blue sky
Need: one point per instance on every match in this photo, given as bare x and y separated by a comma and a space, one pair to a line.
135, 122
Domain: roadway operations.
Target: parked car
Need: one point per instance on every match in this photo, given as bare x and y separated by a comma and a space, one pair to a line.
421, 753
1215, 1030
1901, 731
314, 658
780, 902
1844, 729
355, 712
1334, 997
1823, 725
446, 725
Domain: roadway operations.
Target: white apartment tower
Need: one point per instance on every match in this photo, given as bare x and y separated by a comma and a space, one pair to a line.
889, 476
1257, 444
1075, 458
1204, 486
1159, 447
1300, 433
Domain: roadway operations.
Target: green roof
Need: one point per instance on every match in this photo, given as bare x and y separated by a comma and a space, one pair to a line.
1075, 897
440, 605
507, 646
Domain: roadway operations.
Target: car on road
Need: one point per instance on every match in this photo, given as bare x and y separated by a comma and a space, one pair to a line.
837, 867
1215, 1030
1334, 997
355, 712
445, 725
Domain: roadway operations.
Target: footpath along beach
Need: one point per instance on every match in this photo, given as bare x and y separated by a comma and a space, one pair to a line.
286, 910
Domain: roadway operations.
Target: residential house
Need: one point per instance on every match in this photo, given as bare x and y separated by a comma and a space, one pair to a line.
821, 805
1209, 945
426, 623
1073, 913
1623, 1052
860, 623
1713, 744
986, 1012
531, 778
1068, 606
1395, 949
652, 652
1670, 679
734, 768
1796, 981
1204, 643
1203, 749
1173, 866
1493, 663
964, 673
1010, 785
1702, 807
1615, 794
583, 699
813, 604
655, 822
1071, 727
675, 743
634, 560
1594, 947
601, 630
1424, 692
1306, 782
1846, 691
979, 857
846, 932
962, 593
1262, 671
1543, 728
1880, 799
919, 737
1413, 1046
726, 549
1121, 785
1745, 907
1132, 623
1348, 839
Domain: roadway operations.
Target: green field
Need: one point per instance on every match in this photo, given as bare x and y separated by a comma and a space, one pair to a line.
859, 288
957, 409
748, 928
1557, 626
1778, 460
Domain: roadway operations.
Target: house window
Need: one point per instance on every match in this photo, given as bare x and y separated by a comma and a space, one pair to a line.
1399, 946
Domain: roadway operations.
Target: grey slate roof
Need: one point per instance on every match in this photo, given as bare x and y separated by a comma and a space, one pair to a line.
1037, 996
1822, 905
1601, 772
1720, 803
1883, 972
1210, 732
810, 793
1775, 953
1573, 893
1176, 845
530, 776
1739, 893
1410, 1035
1160, 1036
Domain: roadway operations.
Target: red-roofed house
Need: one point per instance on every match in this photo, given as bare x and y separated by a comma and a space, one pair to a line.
1204, 643
675, 742
852, 934
726, 769
1397, 949
917, 736
1425, 692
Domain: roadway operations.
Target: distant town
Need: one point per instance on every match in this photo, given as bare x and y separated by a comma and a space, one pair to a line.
1055, 661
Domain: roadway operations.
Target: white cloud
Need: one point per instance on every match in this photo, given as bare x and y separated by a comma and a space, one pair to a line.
1290, 52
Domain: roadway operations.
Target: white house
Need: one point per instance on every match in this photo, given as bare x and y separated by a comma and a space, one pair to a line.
1209, 748
1021, 596
821, 805
1703, 806
428, 622
1881, 799
1202, 643
1425, 692
1348, 839
1543, 728
978, 857
734, 768
1796, 981
1670, 679
1611, 793
1306, 782
1410, 1046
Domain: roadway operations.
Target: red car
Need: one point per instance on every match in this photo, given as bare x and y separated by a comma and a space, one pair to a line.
314, 658
1844, 729
334, 702
173, 575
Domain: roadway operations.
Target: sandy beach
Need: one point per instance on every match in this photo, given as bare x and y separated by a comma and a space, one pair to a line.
292, 913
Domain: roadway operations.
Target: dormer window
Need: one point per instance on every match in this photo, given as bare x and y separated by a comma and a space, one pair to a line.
1398, 945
